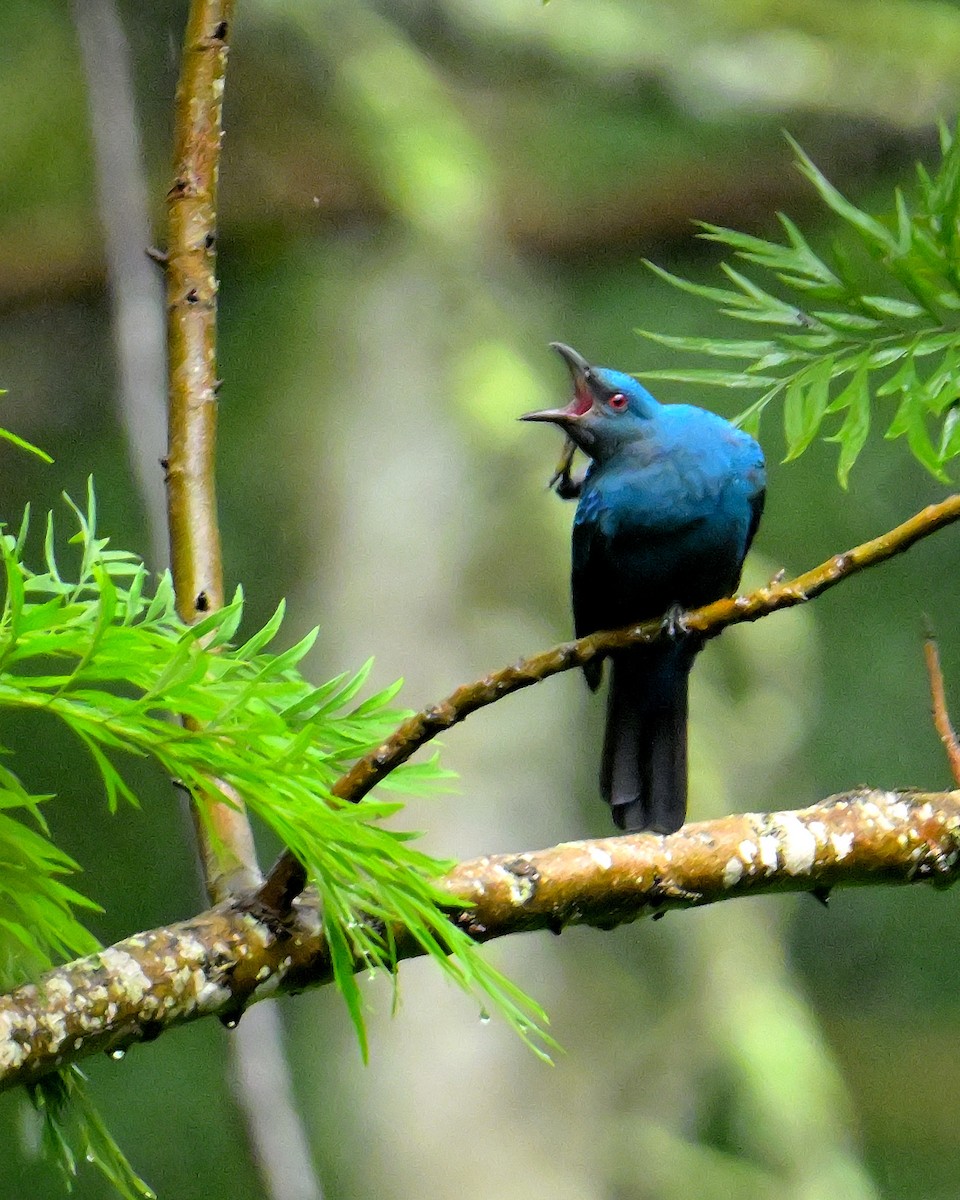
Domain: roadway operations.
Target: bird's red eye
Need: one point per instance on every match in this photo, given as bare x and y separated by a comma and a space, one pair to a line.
618, 402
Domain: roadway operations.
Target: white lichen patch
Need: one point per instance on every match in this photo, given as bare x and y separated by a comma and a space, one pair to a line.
898, 811
799, 846
600, 857
57, 989
732, 872
12, 1051
191, 950
211, 996
748, 852
871, 812
841, 844
127, 972
53, 1024
768, 852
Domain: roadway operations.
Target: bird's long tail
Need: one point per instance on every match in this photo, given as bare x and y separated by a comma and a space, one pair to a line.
643, 775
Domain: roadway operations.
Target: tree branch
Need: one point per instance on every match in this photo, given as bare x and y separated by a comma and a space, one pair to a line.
223, 831
224, 836
219, 962
288, 878
938, 705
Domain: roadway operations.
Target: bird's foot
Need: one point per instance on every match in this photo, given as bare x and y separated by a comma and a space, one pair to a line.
674, 623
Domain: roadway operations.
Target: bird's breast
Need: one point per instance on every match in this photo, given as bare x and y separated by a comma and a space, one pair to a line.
652, 535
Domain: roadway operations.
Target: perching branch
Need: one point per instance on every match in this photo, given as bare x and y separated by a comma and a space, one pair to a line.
223, 831
287, 878
225, 959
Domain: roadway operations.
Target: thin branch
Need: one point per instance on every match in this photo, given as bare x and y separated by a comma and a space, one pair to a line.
224, 836
938, 702
225, 959
287, 878
192, 301
223, 831
225, 839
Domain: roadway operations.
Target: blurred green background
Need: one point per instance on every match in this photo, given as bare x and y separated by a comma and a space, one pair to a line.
416, 196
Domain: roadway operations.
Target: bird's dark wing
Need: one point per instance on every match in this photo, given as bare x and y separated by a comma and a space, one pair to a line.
756, 512
589, 576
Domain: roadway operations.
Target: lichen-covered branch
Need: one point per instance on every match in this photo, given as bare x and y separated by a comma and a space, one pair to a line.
227, 958
287, 877
223, 833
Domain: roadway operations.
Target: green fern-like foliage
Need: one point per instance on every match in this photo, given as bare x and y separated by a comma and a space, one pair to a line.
100, 651
835, 343
72, 1131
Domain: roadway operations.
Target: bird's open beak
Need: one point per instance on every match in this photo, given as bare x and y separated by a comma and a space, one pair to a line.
583, 397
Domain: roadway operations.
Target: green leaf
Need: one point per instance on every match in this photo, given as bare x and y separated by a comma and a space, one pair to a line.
902, 417
721, 348
15, 594
699, 375
23, 444
950, 434
888, 306
718, 295
904, 379
856, 424
767, 308
848, 322
875, 235
918, 438
813, 265
805, 406
73, 1131
265, 636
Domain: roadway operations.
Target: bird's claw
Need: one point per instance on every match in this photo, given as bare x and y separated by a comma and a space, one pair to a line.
674, 623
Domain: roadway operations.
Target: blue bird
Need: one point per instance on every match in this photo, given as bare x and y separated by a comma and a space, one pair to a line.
667, 511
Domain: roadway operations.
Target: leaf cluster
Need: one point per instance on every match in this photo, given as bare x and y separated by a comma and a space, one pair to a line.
834, 343
100, 651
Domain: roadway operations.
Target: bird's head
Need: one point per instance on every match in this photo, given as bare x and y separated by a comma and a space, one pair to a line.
608, 407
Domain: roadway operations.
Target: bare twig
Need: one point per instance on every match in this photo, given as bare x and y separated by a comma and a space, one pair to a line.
219, 962
938, 701
192, 300
223, 831
287, 878
224, 836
